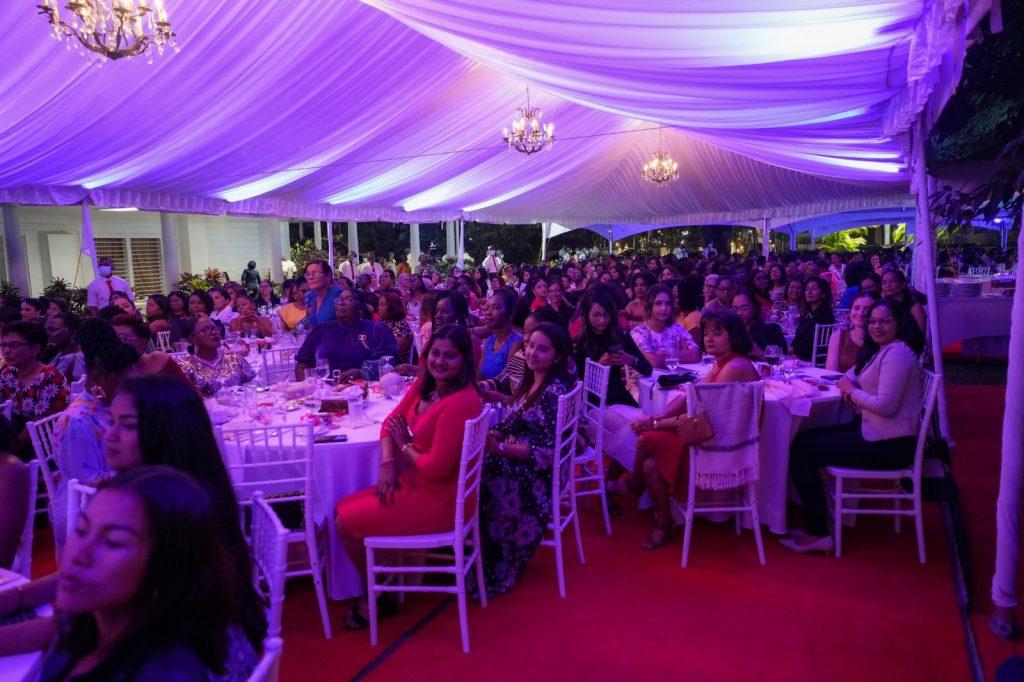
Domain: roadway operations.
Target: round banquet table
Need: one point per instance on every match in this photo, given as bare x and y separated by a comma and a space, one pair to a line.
778, 428
339, 469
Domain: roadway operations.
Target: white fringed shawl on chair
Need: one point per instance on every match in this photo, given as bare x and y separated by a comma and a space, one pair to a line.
731, 458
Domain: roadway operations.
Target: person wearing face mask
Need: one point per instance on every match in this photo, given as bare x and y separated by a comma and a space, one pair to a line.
492, 263
99, 291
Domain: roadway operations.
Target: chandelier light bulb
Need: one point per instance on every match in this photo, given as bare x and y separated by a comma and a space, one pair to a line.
116, 30
528, 136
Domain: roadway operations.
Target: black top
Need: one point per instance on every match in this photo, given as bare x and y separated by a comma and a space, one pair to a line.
766, 334
176, 664
803, 343
251, 278
598, 346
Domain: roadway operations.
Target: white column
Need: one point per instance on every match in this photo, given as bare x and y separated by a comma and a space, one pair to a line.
1011, 469
886, 234
318, 235
284, 238
17, 271
925, 241
766, 239
545, 232
330, 244
450, 240
460, 256
353, 238
169, 240
414, 245
273, 228
792, 238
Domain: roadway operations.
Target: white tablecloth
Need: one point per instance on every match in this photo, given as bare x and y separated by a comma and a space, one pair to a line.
339, 469
22, 666
963, 318
778, 428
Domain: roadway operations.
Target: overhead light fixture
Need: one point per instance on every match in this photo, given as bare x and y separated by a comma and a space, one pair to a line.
528, 135
112, 30
661, 169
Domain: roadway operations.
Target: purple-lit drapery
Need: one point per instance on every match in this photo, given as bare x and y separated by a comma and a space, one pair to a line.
338, 111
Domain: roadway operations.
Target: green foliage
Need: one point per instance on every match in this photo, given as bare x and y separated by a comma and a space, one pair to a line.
445, 264
843, 241
77, 297
9, 291
303, 252
211, 277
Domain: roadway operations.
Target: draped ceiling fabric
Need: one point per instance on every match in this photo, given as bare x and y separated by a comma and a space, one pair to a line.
391, 109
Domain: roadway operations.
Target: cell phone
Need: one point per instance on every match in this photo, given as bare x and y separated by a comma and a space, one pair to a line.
333, 438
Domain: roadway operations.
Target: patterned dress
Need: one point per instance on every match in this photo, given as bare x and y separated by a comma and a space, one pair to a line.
674, 336
80, 451
47, 394
209, 376
515, 498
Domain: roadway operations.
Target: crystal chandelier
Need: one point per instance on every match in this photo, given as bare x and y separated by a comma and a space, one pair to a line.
113, 29
528, 135
661, 169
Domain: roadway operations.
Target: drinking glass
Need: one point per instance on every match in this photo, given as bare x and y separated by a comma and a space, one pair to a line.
773, 356
672, 358
708, 361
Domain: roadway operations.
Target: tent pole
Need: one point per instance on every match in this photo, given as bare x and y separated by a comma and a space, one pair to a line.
792, 238
925, 240
460, 260
766, 239
545, 229
330, 243
1004, 578
353, 238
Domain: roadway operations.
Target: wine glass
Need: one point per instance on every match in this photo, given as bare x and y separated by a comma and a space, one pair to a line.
708, 361
788, 367
672, 358
773, 356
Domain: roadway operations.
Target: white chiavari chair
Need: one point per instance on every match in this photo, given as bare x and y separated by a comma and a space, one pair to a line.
269, 667
23, 559
563, 479
268, 540
979, 271
466, 531
278, 461
78, 494
41, 433
746, 493
590, 462
822, 335
894, 493
278, 364
163, 341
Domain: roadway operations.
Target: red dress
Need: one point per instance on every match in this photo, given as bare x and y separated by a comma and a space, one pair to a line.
665, 447
425, 499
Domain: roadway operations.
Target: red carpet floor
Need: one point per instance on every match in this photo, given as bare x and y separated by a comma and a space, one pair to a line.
874, 614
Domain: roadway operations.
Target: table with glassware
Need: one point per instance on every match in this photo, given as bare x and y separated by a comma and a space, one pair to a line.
339, 468
806, 389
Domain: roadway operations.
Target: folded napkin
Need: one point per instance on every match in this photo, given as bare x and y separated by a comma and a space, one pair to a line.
795, 396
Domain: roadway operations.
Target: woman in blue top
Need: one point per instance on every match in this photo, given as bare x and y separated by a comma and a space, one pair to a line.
504, 340
322, 294
347, 341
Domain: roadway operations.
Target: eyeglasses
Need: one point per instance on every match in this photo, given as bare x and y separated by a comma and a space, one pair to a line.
207, 330
879, 322
723, 287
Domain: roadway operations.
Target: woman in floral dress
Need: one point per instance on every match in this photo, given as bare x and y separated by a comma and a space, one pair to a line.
36, 390
515, 499
211, 367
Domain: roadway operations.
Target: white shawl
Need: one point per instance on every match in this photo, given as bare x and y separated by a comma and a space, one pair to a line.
731, 458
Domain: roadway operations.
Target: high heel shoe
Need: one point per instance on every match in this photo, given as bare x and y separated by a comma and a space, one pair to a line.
824, 544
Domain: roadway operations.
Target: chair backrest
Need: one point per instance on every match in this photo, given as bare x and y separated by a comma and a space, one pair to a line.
274, 460
595, 388
163, 341
23, 559
268, 668
731, 457
278, 364
978, 270
268, 541
563, 479
467, 497
930, 385
45, 446
78, 495
822, 334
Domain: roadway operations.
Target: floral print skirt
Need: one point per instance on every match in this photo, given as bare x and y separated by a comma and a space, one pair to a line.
515, 508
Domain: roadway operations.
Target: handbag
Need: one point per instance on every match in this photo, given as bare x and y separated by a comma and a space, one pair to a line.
694, 430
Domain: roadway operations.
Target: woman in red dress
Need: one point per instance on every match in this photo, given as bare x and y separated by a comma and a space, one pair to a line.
424, 432
660, 463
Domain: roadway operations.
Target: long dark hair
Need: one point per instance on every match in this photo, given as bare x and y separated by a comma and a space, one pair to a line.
163, 304
458, 335
691, 294
559, 371
187, 595
102, 349
739, 338
907, 331
591, 342
175, 430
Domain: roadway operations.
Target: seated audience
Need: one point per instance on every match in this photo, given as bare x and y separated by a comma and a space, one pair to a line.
885, 387
639, 283
34, 309
504, 341
724, 288
515, 493
223, 305
36, 390
422, 438
844, 345
248, 319
895, 288
346, 342
660, 462
557, 302
391, 311
210, 367
818, 311
762, 334
129, 597
125, 302
691, 302
321, 294
266, 298
158, 313
62, 349
500, 388
133, 332
294, 312
659, 335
